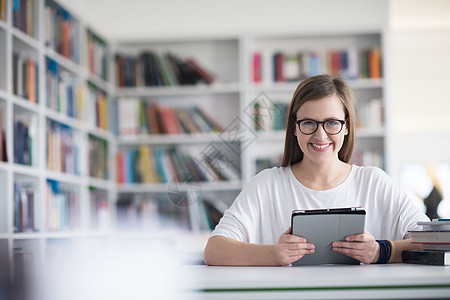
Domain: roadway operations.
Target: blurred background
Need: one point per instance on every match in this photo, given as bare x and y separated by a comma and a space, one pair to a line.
85, 175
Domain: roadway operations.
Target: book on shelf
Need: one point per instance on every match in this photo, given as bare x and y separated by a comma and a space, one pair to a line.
64, 91
63, 152
26, 207
160, 165
368, 158
25, 137
3, 148
97, 99
257, 67
148, 117
159, 69
23, 13
3, 10
350, 63
98, 157
269, 116
62, 206
99, 209
62, 31
263, 163
25, 78
427, 257
370, 114
96, 52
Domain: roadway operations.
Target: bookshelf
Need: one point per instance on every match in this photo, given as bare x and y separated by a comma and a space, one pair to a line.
178, 132
56, 137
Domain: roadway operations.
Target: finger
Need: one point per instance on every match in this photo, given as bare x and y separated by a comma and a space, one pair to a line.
301, 252
350, 252
357, 237
289, 238
299, 246
349, 245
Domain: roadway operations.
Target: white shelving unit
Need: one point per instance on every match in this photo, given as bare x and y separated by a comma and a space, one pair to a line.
36, 234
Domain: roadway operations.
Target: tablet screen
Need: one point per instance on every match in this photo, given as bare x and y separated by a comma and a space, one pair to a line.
324, 226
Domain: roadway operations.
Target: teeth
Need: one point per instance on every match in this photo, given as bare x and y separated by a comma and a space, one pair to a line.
320, 146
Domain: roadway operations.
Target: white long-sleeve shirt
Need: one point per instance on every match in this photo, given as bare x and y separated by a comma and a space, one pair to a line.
262, 211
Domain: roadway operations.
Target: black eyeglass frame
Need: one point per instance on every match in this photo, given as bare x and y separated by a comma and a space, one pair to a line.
342, 122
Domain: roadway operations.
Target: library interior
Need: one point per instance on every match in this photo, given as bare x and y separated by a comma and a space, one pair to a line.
128, 128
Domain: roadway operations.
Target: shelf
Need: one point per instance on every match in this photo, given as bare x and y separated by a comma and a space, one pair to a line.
26, 104
63, 61
62, 118
26, 170
26, 39
63, 177
103, 184
104, 134
27, 235
3, 25
370, 132
164, 187
96, 80
178, 90
174, 139
290, 87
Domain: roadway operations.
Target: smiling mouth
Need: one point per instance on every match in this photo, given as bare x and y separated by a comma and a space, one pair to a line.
323, 146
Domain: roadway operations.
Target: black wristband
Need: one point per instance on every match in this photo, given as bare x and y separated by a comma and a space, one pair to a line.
385, 251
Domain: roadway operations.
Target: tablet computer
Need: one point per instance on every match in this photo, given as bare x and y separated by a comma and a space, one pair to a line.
324, 226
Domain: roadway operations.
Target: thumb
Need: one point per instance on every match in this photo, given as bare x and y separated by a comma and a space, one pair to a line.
289, 231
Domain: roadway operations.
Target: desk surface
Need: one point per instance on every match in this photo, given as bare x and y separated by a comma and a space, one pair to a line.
393, 281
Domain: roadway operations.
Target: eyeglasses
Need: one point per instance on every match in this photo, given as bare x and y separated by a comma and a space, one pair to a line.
331, 126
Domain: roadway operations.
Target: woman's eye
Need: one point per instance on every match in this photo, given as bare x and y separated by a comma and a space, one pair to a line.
332, 123
308, 123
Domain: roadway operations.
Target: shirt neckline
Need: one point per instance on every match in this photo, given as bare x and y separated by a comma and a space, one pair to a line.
339, 186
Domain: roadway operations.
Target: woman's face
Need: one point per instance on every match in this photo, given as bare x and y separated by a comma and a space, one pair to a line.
321, 147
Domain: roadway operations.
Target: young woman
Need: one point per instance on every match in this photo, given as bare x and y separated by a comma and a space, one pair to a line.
315, 173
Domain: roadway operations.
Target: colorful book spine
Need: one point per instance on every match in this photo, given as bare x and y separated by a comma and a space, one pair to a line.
142, 117
96, 55
98, 157
62, 148
25, 137
3, 10
159, 69
99, 209
160, 165
62, 31
23, 15
98, 107
26, 207
62, 207
25, 80
348, 63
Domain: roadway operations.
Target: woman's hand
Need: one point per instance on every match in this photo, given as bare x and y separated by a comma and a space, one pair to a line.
362, 247
291, 248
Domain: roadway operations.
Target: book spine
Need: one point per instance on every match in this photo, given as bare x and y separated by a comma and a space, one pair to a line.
438, 258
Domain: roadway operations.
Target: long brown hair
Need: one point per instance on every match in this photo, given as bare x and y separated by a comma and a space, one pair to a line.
315, 88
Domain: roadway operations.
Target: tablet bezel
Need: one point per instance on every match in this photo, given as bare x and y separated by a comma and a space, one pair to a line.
330, 256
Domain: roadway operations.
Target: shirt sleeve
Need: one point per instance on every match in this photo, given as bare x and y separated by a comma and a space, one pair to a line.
399, 207
240, 221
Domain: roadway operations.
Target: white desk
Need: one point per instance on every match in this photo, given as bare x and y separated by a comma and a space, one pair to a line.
396, 281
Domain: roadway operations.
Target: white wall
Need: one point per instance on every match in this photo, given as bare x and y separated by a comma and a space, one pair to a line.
146, 19
419, 81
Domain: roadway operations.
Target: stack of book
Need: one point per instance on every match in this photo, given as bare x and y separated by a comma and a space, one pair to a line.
435, 241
